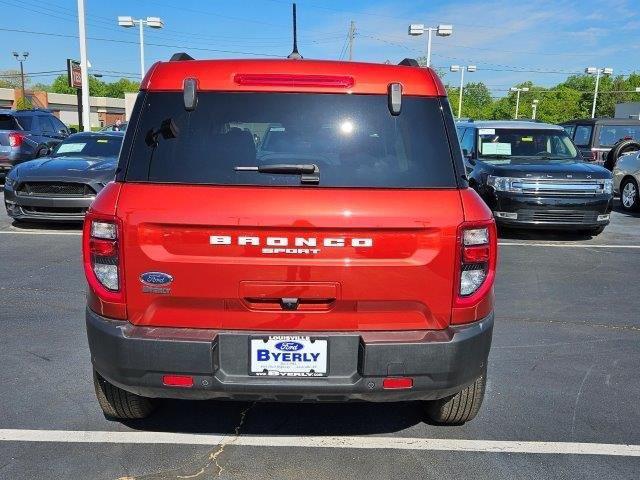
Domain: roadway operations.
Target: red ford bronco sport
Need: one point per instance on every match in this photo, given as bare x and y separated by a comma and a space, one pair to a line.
290, 230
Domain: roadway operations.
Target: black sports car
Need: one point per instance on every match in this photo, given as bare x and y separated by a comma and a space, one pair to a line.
62, 185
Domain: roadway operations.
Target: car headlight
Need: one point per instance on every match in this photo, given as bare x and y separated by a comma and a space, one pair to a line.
505, 184
608, 186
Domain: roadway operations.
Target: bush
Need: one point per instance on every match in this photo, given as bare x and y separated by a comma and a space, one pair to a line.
23, 103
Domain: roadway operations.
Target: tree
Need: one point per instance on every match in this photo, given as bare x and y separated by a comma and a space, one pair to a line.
97, 88
119, 88
23, 103
11, 79
476, 102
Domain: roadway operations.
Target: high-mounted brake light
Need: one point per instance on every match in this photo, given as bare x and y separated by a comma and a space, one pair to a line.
15, 139
286, 80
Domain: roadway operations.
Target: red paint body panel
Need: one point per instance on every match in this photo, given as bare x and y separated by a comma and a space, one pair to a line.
220, 75
402, 282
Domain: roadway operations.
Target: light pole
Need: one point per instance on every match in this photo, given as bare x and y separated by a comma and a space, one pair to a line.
597, 72
456, 68
518, 90
534, 109
151, 22
416, 29
21, 59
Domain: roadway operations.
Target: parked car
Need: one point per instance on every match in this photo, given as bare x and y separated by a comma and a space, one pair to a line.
297, 272
115, 127
28, 134
62, 185
626, 178
596, 137
531, 175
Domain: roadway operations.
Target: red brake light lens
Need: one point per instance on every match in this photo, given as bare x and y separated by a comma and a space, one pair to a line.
282, 80
15, 139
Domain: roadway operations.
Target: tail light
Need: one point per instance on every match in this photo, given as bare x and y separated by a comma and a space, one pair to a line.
476, 264
102, 252
15, 139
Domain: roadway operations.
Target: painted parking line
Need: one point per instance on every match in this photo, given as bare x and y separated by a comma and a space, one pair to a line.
564, 245
27, 232
354, 442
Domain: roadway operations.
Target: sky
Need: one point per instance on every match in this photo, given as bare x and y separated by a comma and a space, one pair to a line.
509, 41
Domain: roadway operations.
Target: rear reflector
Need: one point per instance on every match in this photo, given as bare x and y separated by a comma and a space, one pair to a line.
392, 383
184, 381
281, 80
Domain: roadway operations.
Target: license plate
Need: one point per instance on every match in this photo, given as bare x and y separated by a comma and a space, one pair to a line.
288, 356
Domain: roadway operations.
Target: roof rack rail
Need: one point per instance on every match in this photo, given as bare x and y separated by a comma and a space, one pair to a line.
409, 62
180, 56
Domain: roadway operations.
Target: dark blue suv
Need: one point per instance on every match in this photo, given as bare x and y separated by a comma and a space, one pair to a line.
28, 134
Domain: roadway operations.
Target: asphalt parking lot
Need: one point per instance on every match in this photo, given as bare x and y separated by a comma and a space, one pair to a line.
563, 379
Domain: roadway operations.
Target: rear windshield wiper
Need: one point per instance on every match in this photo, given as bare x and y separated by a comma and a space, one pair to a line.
308, 171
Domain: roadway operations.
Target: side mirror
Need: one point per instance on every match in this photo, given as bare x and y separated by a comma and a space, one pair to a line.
73, 130
63, 132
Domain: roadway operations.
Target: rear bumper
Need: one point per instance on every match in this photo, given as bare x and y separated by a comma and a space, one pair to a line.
440, 362
33, 208
552, 212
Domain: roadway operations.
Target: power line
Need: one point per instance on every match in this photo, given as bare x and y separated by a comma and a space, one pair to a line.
112, 40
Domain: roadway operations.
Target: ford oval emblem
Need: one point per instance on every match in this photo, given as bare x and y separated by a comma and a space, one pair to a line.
156, 278
289, 346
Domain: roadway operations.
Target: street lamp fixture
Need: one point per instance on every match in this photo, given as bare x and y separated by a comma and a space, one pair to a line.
597, 72
443, 30
534, 109
21, 59
458, 68
518, 90
151, 22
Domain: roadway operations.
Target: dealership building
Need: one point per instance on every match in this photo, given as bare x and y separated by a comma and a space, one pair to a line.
104, 110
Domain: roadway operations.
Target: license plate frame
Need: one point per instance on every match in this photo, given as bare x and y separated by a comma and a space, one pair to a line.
287, 369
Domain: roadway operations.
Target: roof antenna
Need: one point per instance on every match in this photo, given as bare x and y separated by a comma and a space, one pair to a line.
295, 55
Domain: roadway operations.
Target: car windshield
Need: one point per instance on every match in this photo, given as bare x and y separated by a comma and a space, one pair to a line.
85, 146
352, 139
525, 145
611, 134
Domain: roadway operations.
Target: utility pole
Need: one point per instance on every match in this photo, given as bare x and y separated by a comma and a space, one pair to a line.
457, 68
352, 36
84, 66
21, 60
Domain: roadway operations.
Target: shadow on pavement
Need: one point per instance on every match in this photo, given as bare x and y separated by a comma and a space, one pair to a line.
287, 419
47, 226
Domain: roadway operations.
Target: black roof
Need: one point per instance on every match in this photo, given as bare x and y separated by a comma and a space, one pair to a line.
603, 121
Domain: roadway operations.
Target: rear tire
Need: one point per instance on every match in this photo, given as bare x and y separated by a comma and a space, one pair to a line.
623, 146
459, 408
629, 195
120, 404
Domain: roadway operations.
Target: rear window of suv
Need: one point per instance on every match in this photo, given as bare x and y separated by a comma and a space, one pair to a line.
353, 139
9, 122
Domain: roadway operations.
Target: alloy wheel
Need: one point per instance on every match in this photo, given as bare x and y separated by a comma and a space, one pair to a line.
629, 194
